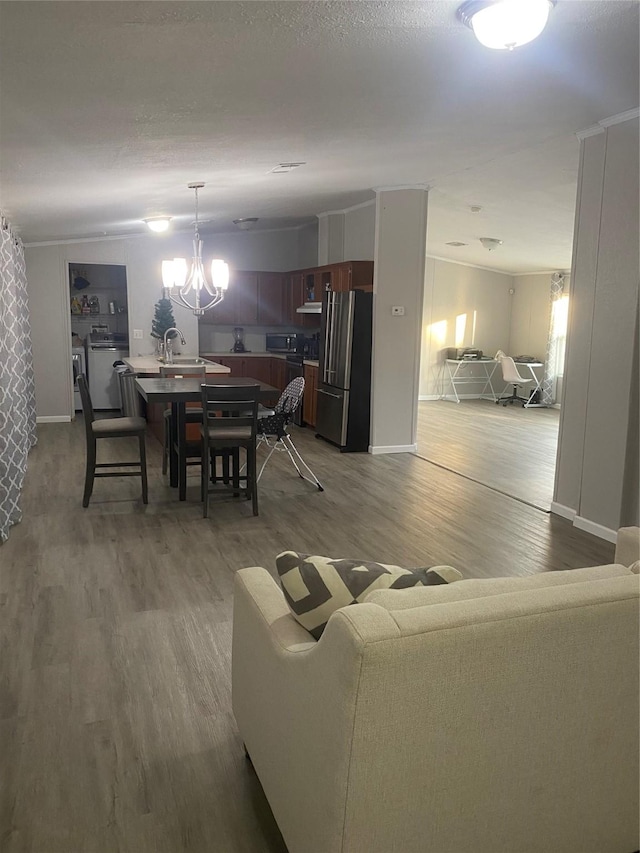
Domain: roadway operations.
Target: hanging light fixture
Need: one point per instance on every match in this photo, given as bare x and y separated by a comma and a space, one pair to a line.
505, 24
191, 284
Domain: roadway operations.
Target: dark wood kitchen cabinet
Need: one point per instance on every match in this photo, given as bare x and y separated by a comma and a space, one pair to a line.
278, 373
240, 304
352, 275
310, 394
271, 299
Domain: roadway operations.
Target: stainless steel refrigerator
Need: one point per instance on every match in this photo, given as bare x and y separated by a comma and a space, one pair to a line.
344, 380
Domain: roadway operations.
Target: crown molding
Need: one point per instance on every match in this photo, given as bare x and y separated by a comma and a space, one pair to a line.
601, 126
353, 207
426, 187
628, 115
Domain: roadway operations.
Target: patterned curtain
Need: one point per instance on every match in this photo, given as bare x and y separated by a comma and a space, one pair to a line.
550, 365
17, 391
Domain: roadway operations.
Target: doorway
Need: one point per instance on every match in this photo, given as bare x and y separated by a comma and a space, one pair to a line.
510, 449
98, 304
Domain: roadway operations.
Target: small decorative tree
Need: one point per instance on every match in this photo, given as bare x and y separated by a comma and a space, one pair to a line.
163, 320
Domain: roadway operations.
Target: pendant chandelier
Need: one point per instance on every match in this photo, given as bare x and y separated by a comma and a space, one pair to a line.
187, 287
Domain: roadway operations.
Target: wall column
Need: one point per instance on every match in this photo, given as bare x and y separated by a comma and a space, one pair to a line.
399, 271
330, 238
597, 463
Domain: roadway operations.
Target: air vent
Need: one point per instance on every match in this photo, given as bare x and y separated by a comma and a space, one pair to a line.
285, 167
456, 243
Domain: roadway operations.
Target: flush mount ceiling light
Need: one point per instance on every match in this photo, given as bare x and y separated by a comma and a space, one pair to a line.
158, 223
246, 224
490, 243
505, 24
285, 167
188, 289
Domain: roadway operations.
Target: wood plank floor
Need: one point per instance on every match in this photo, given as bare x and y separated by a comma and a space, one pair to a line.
115, 631
510, 449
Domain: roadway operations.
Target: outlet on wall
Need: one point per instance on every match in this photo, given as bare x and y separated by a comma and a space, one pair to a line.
137, 334
397, 310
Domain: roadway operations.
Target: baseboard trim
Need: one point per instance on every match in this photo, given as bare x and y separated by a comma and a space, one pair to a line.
424, 397
564, 511
392, 448
598, 530
53, 419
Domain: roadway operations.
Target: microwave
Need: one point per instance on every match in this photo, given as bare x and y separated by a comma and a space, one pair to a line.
284, 342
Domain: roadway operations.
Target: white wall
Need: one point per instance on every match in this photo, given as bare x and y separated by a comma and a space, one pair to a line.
530, 315
307, 247
597, 466
48, 289
461, 298
359, 233
398, 279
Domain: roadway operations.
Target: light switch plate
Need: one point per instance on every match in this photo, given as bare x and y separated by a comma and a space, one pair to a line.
397, 310
138, 334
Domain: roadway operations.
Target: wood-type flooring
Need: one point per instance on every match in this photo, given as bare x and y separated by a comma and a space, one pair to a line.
117, 732
508, 448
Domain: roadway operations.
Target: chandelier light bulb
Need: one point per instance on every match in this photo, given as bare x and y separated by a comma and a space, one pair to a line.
220, 274
505, 24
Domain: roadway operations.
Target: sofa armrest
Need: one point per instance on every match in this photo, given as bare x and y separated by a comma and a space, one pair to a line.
627, 546
257, 585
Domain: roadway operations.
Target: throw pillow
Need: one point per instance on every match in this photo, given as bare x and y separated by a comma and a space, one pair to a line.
314, 587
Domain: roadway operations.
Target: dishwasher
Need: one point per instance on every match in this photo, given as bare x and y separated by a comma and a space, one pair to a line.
103, 349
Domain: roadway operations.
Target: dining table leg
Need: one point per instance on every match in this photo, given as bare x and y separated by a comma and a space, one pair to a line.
182, 452
173, 443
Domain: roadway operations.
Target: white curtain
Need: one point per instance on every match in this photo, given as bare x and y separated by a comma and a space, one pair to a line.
553, 357
17, 391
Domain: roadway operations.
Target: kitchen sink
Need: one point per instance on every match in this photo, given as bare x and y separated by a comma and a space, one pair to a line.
185, 359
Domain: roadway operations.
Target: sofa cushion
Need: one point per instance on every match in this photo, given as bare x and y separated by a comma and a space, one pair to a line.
314, 586
481, 587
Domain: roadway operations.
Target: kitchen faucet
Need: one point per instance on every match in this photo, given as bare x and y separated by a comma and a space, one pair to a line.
168, 350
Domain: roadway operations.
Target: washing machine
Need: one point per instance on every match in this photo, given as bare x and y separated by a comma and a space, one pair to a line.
79, 365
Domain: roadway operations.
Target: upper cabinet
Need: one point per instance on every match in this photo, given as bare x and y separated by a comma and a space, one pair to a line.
271, 298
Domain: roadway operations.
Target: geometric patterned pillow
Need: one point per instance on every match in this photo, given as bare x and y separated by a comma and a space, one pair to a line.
315, 586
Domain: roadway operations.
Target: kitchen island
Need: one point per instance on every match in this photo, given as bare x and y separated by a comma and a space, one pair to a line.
148, 365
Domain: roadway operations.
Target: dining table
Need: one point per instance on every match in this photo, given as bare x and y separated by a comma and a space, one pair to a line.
177, 393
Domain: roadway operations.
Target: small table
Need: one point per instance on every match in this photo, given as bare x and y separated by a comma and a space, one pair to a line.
178, 392
456, 376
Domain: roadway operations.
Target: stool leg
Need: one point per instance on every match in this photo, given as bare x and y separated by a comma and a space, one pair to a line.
251, 472
143, 468
89, 472
235, 456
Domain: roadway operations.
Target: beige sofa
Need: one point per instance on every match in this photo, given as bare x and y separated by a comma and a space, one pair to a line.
488, 716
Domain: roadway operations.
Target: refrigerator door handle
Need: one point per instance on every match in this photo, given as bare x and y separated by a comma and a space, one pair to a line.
328, 337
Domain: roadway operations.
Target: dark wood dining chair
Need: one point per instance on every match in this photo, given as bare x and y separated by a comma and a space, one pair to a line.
236, 429
110, 428
193, 414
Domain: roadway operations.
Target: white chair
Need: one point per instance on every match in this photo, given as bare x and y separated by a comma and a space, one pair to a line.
511, 377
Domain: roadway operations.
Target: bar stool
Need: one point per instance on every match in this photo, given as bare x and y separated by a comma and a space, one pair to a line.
110, 428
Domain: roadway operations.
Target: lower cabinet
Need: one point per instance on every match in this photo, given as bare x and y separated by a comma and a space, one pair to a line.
278, 373
310, 395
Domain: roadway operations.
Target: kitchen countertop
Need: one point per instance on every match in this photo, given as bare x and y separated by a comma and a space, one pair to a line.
266, 354
150, 364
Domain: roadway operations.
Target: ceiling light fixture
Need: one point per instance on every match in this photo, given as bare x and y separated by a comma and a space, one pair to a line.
490, 243
190, 287
505, 24
158, 223
246, 224
285, 167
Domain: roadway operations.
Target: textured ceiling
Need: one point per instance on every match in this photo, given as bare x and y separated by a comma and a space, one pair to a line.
109, 109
